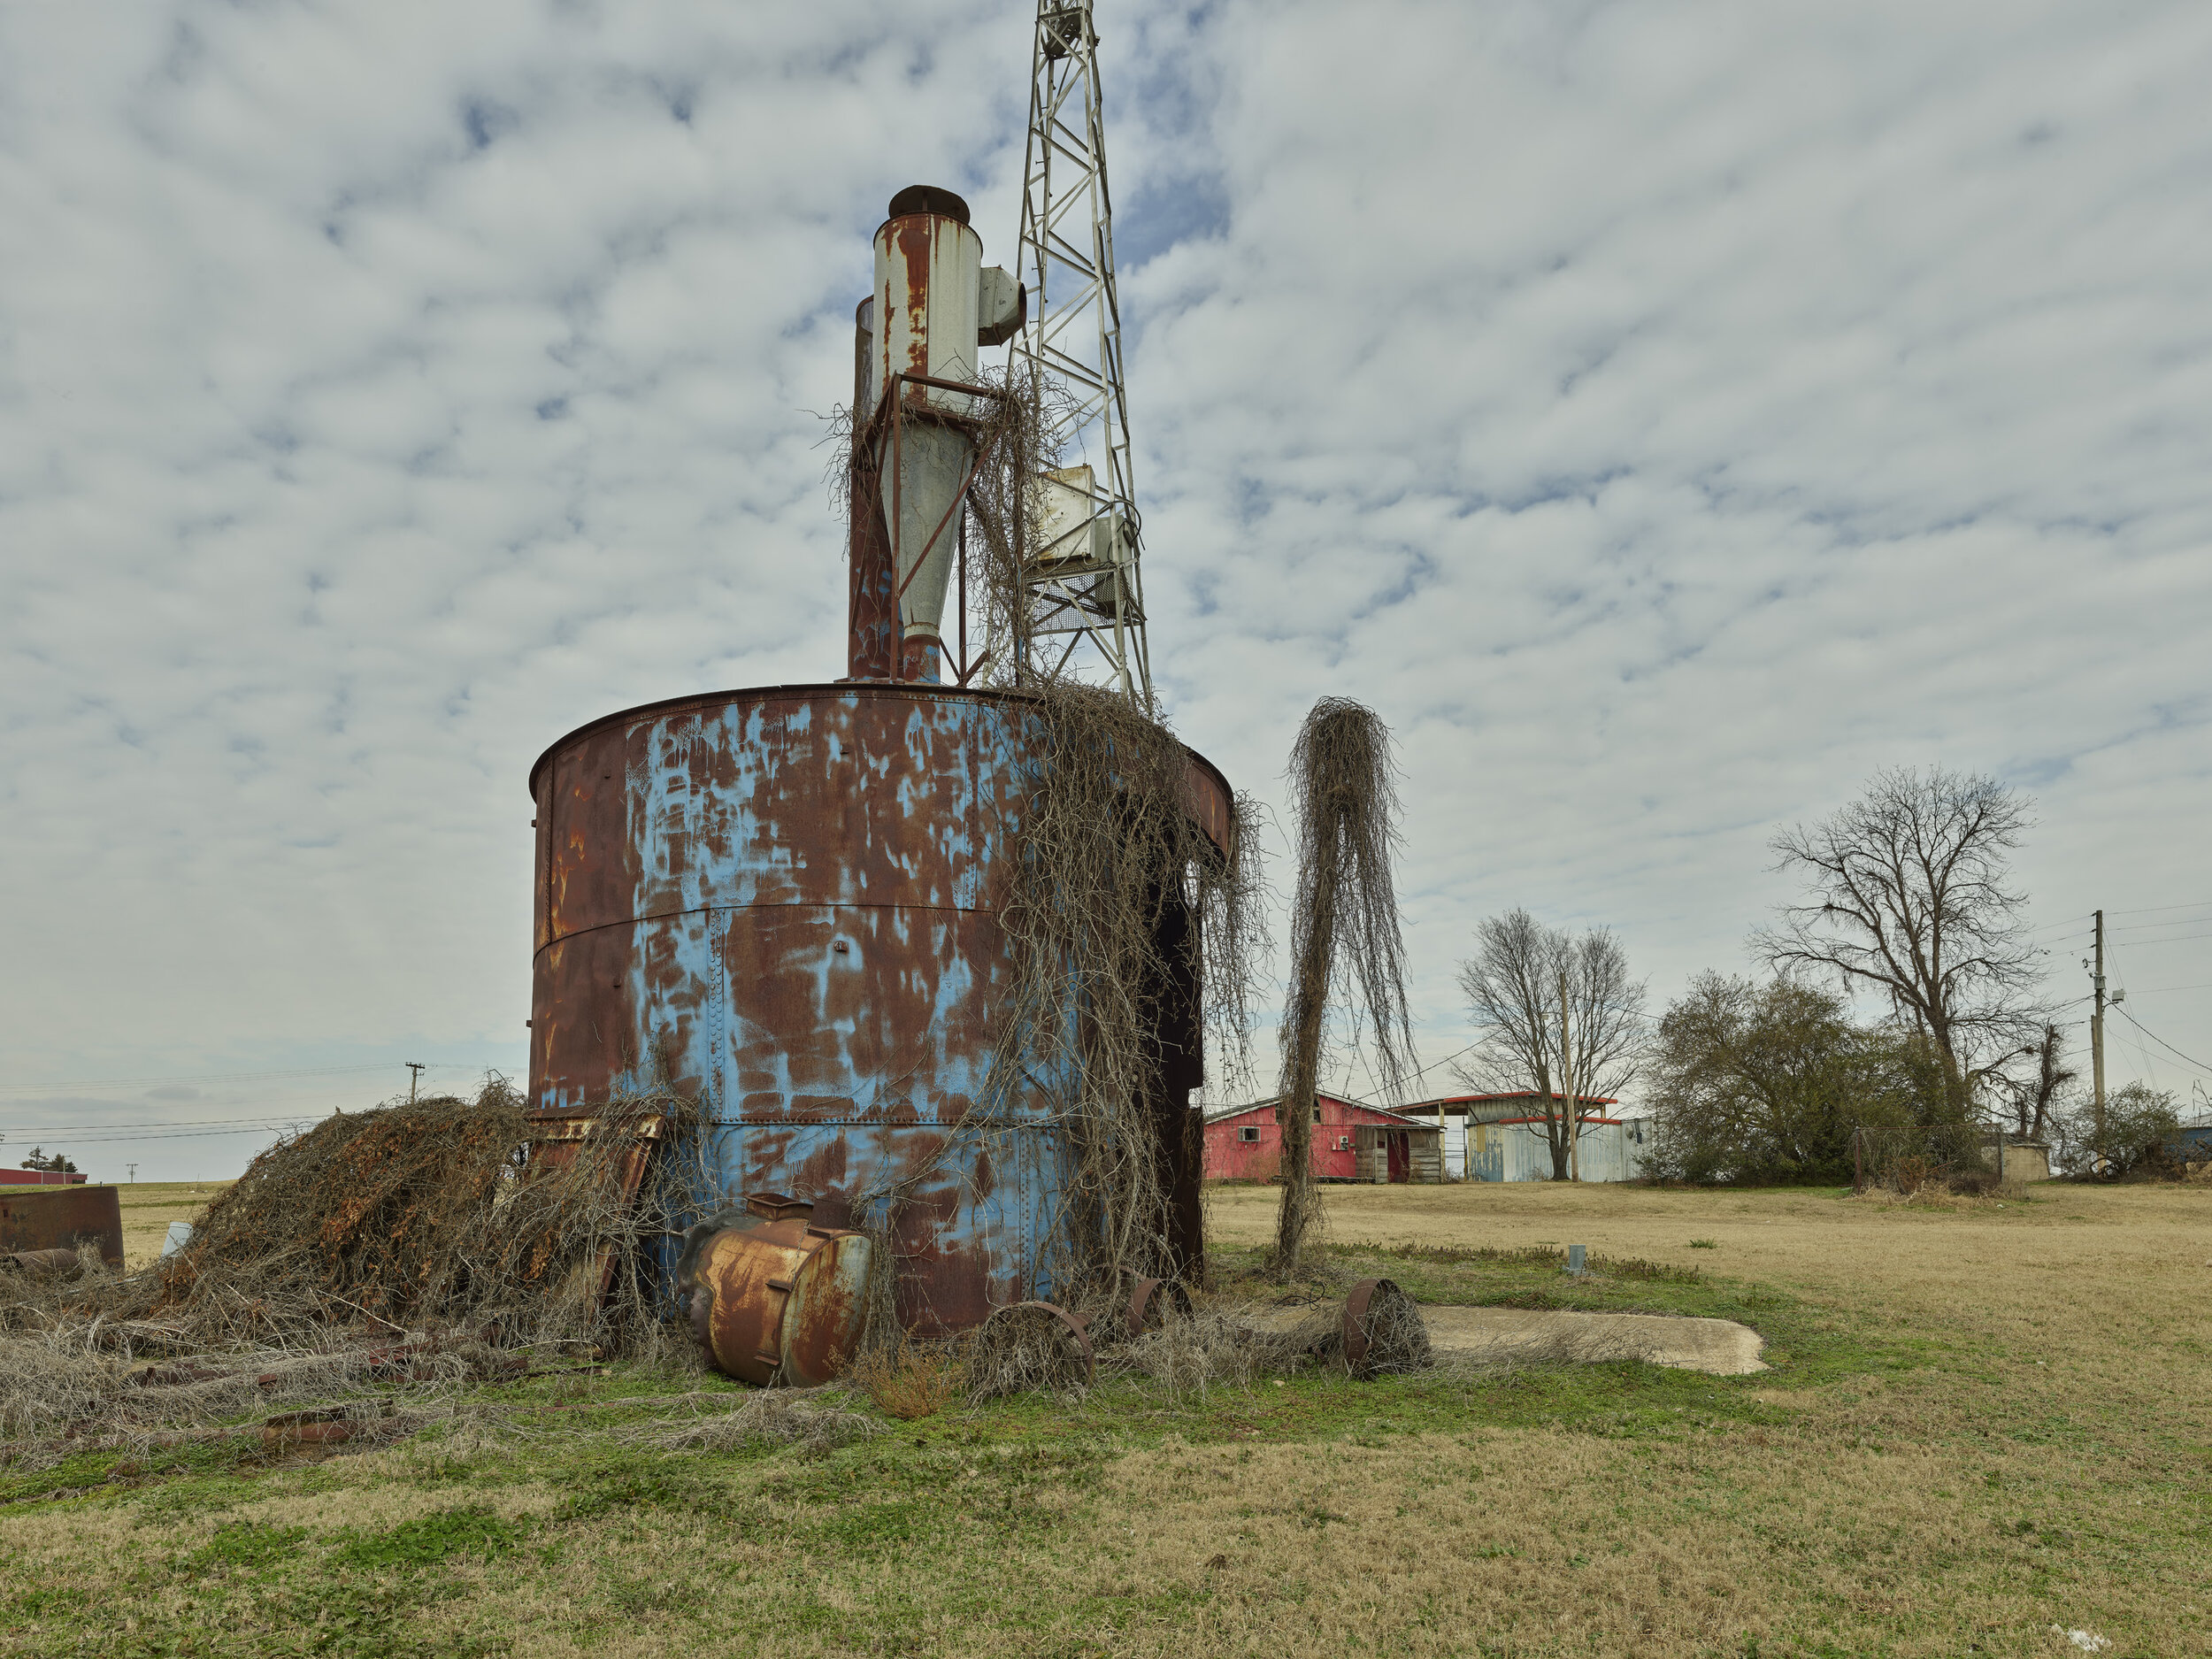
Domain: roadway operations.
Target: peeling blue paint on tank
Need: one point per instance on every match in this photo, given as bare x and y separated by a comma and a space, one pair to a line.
791, 906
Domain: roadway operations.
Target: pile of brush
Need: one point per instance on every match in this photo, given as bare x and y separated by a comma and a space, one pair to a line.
428, 1244
437, 1212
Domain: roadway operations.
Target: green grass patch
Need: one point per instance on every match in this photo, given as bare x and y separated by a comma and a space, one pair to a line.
473, 1533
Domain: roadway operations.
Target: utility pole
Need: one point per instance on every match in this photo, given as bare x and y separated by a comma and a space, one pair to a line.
414, 1076
1567, 1079
133, 1168
2096, 1039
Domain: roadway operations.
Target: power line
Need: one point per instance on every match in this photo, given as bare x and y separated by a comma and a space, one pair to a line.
1448, 1059
75, 1141
2163, 1043
167, 1122
1423, 1071
2152, 990
220, 1076
2137, 944
2200, 905
2153, 928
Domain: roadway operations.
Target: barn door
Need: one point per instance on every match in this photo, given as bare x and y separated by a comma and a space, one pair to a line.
1400, 1156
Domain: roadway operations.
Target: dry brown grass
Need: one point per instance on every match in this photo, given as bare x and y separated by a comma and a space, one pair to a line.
909, 1381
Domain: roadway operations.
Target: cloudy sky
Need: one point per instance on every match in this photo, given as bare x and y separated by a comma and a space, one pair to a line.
1664, 414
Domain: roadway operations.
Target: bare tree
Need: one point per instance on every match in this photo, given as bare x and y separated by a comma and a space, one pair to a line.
1512, 987
1907, 895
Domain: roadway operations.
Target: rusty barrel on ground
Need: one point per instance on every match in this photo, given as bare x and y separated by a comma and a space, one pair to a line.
34, 1218
787, 902
773, 1297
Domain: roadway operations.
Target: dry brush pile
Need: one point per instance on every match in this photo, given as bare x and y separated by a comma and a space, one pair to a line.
421, 1246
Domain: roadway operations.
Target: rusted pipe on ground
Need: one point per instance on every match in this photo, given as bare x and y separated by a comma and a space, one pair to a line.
773, 1297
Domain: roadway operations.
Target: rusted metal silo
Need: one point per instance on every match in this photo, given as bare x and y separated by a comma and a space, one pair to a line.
787, 900
792, 893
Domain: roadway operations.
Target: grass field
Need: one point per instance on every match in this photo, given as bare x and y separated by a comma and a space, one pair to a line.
1982, 1423
149, 1207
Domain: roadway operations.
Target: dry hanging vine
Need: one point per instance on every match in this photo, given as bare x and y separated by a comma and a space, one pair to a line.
1133, 936
1344, 930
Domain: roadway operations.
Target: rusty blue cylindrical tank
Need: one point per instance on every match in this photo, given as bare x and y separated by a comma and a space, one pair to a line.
787, 900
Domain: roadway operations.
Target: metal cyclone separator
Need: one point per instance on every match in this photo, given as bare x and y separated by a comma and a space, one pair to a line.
773, 1297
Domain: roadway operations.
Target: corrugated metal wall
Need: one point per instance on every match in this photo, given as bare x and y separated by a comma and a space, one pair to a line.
1609, 1151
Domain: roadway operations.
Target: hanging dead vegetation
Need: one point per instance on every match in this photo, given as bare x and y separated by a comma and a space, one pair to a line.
1345, 935
1133, 938
1013, 422
1008, 513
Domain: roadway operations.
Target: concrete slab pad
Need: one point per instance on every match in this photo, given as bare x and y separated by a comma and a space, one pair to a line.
1528, 1336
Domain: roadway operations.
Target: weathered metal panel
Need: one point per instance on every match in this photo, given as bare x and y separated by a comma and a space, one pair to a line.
785, 900
61, 1218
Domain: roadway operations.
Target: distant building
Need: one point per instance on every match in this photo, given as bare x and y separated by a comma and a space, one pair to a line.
2192, 1142
1503, 1137
1351, 1142
41, 1178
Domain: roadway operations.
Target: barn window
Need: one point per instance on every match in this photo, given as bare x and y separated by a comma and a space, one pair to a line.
1317, 1114
1344, 1143
1248, 1131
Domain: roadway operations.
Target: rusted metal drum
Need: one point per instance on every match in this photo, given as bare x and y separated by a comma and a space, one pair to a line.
789, 898
1383, 1331
775, 1298
62, 1217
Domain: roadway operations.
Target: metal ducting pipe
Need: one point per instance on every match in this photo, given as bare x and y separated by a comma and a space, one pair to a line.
929, 274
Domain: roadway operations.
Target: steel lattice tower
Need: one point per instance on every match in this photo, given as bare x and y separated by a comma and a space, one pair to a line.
1083, 582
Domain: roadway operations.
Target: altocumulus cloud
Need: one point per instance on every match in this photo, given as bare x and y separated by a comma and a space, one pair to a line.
1664, 414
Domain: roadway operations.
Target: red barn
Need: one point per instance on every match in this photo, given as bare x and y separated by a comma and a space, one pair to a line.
1351, 1142
41, 1178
